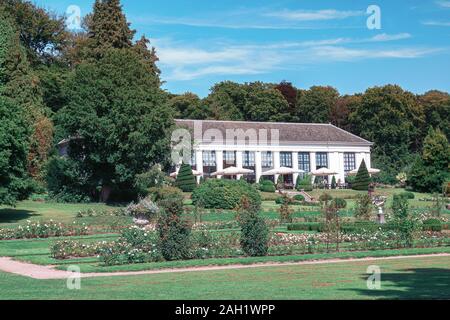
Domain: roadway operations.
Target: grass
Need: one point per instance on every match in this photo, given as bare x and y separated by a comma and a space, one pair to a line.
409, 278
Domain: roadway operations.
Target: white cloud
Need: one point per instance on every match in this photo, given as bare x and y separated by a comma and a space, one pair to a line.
183, 62
310, 15
445, 4
437, 23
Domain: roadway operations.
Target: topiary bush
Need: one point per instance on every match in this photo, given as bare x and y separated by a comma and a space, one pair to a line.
408, 195
362, 179
299, 197
339, 203
267, 186
185, 179
333, 183
224, 194
304, 184
432, 225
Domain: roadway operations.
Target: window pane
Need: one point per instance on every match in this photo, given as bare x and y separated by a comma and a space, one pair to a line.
304, 161
321, 160
266, 158
349, 162
286, 159
249, 159
209, 158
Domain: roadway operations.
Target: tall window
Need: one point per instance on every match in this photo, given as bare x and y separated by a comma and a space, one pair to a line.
249, 159
321, 160
209, 158
304, 161
286, 159
193, 162
266, 159
229, 159
349, 162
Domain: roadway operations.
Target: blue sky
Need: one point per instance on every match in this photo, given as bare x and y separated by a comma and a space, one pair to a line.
201, 42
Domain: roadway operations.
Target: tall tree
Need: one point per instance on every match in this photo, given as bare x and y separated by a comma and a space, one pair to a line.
289, 92
391, 118
108, 28
432, 169
14, 138
436, 106
116, 114
22, 85
42, 33
188, 106
314, 105
147, 54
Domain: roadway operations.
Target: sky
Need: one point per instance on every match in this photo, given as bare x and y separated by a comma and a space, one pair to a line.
345, 44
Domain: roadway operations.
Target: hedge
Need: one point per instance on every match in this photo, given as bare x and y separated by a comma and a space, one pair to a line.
224, 194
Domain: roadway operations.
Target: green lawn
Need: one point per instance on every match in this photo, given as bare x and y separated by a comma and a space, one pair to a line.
411, 278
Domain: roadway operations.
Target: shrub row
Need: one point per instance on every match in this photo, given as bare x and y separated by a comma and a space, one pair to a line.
33, 230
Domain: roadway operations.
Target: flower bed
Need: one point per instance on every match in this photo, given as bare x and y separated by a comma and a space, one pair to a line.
33, 230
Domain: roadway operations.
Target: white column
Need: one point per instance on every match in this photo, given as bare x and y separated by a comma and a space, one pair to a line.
276, 163
368, 160
219, 162
199, 162
295, 166
258, 165
312, 159
341, 167
239, 161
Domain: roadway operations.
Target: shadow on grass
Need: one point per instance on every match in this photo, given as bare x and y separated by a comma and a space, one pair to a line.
418, 283
15, 215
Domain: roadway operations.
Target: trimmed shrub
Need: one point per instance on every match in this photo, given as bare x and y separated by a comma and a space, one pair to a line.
324, 197
363, 207
362, 179
267, 186
304, 184
432, 225
299, 197
224, 194
408, 195
339, 203
166, 192
306, 226
185, 179
333, 183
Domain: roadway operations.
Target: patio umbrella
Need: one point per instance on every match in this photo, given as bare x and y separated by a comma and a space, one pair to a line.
232, 171
194, 172
323, 172
370, 170
282, 171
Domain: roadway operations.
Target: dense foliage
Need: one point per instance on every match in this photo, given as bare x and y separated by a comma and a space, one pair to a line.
224, 194
362, 179
254, 231
185, 179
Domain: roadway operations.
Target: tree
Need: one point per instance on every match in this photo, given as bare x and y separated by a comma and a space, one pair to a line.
188, 106
148, 55
185, 179
403, 220
363, 207
42, 33
254, 230
19, 83
314, 105
108, 28
436, 106
14, 132
431, 170
117, 119
333, 182
174, 233
362, 179
289, 92
391, 118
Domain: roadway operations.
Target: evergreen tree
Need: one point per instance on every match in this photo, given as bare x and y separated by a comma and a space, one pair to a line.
185, 179
362, 179
21, 84
148, 55
431, 170
14, 133
108, 28
118, 116
333, 183
304, 184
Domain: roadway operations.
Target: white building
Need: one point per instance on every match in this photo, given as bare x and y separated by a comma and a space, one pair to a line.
262, 146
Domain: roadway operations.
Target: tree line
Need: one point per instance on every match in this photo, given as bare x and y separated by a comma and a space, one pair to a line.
101, 88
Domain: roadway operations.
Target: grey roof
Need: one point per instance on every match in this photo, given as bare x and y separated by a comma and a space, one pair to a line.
289, 133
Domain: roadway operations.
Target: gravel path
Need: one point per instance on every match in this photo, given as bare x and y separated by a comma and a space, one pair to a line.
49, 272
